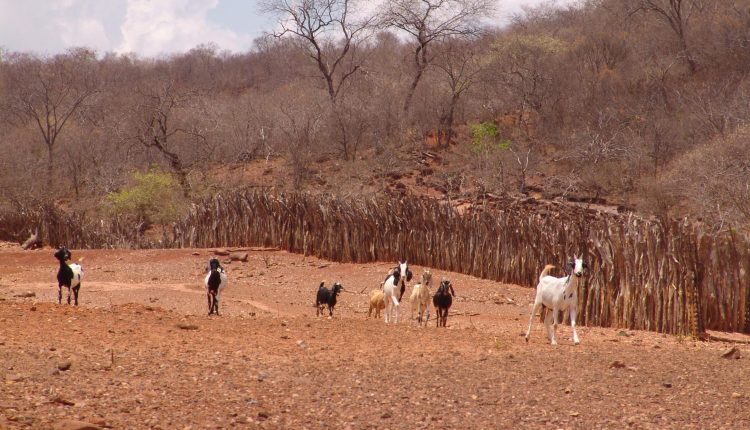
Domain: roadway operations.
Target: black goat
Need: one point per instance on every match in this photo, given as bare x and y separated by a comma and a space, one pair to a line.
68, 275
442, 301
326, 297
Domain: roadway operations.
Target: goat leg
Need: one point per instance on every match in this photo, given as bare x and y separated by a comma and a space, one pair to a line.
75, 293
68, 286
59, 294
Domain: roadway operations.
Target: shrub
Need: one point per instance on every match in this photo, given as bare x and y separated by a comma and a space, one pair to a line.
154, 197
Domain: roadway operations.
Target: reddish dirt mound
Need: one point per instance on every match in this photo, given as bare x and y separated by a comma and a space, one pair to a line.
140, 353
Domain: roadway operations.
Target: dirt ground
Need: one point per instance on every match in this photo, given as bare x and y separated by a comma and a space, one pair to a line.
139, 352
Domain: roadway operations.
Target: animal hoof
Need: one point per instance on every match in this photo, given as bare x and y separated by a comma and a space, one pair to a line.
527, 339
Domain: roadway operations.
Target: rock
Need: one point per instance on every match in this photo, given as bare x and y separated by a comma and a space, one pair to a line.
27, 294
64, 365
568, 390
74, 425
617, 365
238, 256
667, 385
301, 344
732, 352
15, 378
736, 395
63, 401
222, 252
196, 253
263, 415
386, 415
184, 326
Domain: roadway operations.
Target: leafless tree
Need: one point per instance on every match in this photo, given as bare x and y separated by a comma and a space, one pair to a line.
328, 31
158, 125
48, 92
677, 14
428, 21
459, 64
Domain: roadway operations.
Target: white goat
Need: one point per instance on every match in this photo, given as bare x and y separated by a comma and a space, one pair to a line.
391, 291
558, 294
420, 298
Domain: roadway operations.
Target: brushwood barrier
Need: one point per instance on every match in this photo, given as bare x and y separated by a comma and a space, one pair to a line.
662, 275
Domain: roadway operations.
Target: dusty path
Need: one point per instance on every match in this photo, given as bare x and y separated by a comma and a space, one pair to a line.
268, 362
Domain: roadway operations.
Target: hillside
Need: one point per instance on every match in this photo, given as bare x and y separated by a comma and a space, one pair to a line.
637, 103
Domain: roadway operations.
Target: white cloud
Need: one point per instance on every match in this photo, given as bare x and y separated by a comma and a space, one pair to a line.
146, 27
153, 28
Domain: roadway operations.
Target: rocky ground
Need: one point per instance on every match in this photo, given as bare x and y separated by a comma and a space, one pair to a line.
139, 352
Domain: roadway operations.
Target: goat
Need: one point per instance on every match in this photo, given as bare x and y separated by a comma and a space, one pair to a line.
69, 275
558, 294
377, 302
216, 281
326, 297
442, 300
389, 290
420, 298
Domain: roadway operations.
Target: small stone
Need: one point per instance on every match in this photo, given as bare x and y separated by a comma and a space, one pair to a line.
568, 390
617, 365
238, 256
262, 376
63, 401
263, 415
732, 352
386, 415
32, 309
736, 395
667, 385
196, 253
74, 425
64, 365
184, 326
27, 294
301, 343
574, 414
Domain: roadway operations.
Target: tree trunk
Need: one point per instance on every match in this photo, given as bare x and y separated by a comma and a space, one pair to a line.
421, 66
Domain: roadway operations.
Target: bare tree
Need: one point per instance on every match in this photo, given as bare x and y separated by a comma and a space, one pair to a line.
459, 63
48, 92
159, 123
677, 14
431, 20
317, 24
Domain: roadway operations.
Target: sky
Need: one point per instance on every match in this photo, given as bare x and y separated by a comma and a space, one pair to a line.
147, 28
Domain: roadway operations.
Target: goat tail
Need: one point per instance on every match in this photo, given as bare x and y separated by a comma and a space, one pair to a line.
546, 270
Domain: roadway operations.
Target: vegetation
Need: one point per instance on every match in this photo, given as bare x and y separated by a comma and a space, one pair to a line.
153, 198
617, 100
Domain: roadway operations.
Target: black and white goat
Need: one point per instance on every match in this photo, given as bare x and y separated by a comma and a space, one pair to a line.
392, 283
326, 297
69, 275
442, 300
216, 281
